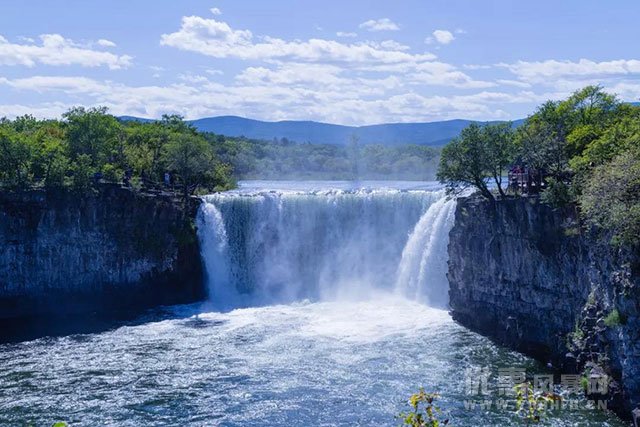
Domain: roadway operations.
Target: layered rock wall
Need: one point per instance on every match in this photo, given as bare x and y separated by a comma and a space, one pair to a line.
528, 276
113, 248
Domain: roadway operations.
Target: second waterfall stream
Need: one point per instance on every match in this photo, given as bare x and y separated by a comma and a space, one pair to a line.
284, 245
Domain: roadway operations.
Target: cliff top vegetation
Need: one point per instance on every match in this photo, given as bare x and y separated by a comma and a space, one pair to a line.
89, 146
584, 150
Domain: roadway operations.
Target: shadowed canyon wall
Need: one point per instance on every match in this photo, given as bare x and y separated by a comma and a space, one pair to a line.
65, 253
528, 276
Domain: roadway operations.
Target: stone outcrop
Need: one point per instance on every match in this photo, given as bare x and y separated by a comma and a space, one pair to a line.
529, 277
66, 253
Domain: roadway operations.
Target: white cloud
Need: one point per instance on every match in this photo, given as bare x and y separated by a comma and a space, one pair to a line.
334, 61
390, 45
219, 40
515, 83
56, 83
193, 78
450, 78
383, 24
321, 79
626, 90
308, 75
327, 77
346, 34
476, 67
339, 81
215, 11
106, 43
44, 110
443, 36
57, 50
291, 91
544, 71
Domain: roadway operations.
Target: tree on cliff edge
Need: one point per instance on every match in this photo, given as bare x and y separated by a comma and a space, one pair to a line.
191, 158
479, 155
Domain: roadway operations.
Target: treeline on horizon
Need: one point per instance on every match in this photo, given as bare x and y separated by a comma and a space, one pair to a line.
89, 145
583, 151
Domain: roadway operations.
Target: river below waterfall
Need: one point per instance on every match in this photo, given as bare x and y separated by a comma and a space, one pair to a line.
327, 308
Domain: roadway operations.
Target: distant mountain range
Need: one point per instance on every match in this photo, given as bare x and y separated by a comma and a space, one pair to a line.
431, 133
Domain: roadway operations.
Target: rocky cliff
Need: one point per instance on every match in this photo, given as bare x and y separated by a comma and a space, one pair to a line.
113, 248
531, 278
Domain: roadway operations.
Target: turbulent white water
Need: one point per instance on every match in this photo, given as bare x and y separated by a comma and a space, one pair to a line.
369, 258
305, 364
263, 247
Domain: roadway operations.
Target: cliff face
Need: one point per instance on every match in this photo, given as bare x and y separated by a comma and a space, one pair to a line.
523, 274
64, 253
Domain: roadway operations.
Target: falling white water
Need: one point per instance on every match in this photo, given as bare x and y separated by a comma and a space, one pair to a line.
263, 247
422, 273
215, 248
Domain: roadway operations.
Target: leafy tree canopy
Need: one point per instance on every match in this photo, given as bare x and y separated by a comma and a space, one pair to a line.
478, 156
90, 145
586, 147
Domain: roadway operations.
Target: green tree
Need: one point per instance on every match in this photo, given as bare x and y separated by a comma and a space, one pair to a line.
144, 149
191, 158
82, 173
622, 134
176, 123
499, 139
589, 111
58, 153
611, 197
26, 124
16, 156
542, 141
555, 137
94, 132
479, 155
52, 159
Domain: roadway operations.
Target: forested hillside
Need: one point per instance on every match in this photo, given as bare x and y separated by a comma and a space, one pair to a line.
90, 146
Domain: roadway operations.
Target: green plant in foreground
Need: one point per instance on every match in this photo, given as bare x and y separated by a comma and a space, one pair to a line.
424, 412
531, 405
584, 383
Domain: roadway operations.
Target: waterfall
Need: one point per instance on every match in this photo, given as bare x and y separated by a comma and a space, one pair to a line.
422, 273
215, 249
265, 247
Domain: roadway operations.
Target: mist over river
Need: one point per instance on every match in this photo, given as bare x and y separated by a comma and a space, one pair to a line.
327, 306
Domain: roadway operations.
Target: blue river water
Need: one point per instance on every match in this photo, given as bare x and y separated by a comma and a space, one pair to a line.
327, 308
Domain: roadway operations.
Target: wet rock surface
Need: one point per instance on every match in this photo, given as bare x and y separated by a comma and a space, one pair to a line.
531, 278
66, 253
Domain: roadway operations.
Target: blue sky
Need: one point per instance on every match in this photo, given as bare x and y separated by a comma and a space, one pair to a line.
349, 62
